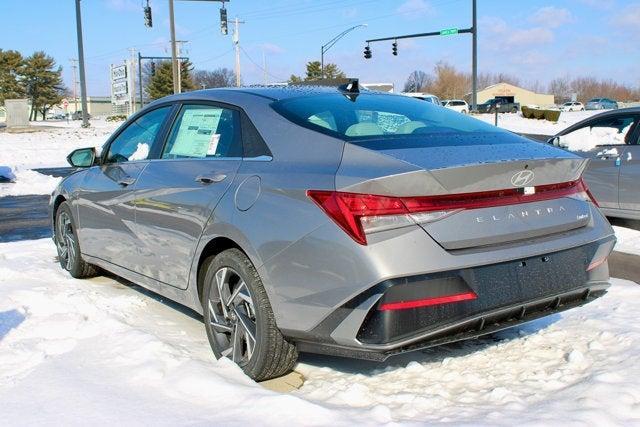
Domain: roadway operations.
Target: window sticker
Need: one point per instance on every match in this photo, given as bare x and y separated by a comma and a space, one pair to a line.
196, 136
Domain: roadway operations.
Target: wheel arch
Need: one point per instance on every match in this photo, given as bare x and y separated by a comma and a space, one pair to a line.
213, 247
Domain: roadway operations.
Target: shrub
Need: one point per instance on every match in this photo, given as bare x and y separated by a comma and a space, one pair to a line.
116, 118
552, 115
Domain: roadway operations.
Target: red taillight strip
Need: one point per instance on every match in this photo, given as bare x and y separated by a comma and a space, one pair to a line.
426, 302
346, 209
494, 198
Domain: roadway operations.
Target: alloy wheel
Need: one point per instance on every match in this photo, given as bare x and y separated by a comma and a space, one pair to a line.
232, 317
66, 241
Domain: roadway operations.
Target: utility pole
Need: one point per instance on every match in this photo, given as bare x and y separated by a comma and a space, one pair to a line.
74, 67
264, 67
236, 42
174, 54
132, 80
83, 83
474, 59
179, 50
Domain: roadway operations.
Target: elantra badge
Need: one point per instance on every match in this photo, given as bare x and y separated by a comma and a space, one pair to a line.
522, 178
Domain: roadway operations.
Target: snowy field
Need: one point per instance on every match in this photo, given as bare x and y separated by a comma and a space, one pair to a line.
98, 352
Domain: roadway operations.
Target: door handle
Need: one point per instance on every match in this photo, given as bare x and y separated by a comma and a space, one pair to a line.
126, 181
211, 179
607, 153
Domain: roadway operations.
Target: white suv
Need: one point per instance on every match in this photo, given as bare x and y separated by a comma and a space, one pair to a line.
456, 105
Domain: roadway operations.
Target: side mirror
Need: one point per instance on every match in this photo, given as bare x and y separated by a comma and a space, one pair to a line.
555, 141
82, 157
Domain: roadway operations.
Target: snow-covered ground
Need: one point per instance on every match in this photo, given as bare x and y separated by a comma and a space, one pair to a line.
516, 123
97, 352
46, 147
628, 240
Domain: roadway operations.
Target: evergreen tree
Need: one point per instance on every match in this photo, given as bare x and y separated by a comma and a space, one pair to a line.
11, 64
42, 82
160, 84
314, 72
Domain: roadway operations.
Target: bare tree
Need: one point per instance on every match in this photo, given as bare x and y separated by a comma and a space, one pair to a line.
221, 77
418, 81
561, 89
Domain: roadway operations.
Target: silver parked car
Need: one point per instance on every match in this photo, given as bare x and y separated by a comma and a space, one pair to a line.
611, 141
333, 221
601, 104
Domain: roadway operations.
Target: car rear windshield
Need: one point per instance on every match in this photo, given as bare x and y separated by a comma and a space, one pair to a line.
374, 117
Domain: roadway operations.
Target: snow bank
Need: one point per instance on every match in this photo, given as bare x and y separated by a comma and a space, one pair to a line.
517, 123
27, 181
628, 240
99, 352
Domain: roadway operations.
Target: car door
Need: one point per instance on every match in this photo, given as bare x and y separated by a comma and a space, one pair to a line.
629, 188
177, 193
106, 213
603, 141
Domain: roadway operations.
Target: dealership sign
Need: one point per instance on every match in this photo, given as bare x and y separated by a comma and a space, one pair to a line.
120, 84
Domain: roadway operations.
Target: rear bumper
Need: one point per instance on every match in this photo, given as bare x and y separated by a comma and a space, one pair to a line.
507, 294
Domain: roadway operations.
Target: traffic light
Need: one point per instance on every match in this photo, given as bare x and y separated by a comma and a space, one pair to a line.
224, 29
153, 68
148, 21
367, 52
394, 48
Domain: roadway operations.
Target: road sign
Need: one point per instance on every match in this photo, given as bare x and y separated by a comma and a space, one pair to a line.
65, 103
449, 32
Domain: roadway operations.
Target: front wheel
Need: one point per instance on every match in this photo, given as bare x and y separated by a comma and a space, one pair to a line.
67, 245
238, 318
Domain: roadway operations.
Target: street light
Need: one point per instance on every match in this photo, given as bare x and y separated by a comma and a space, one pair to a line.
330, 43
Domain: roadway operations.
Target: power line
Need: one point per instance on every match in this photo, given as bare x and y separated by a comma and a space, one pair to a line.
260, 67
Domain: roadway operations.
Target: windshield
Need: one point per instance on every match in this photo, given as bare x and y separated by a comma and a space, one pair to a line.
375, 117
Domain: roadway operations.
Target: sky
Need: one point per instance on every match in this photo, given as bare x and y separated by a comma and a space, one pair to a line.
536, 40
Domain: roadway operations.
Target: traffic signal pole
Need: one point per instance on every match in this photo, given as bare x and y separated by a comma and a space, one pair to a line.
473, 30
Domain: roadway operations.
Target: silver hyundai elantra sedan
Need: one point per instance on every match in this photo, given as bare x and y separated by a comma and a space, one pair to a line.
333, 220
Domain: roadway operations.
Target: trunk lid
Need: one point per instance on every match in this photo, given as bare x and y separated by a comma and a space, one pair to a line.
461, 166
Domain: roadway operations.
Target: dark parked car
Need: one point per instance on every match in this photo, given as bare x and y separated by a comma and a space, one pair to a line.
601, 104
333, 221
611, 141
502, 105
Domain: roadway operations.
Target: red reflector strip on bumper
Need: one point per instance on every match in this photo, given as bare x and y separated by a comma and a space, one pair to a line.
426, 302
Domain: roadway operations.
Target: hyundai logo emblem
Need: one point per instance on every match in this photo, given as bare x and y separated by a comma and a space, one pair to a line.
522, 178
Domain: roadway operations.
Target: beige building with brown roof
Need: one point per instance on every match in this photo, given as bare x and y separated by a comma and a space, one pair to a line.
523, 96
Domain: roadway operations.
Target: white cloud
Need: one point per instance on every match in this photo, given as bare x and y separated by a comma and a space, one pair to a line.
413, 9
123, 5
529, 37
599, 4
272, 48
551, 17
629, 17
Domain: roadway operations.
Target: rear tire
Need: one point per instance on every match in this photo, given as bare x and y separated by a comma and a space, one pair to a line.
68, 246
239, 320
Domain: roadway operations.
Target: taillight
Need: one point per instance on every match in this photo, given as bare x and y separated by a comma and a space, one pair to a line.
359, 214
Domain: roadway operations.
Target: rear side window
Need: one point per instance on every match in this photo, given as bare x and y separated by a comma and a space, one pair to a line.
377, 117
202, 131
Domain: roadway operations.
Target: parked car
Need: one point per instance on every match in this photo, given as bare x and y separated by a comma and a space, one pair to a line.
601, 104
502, 105
424, 96
332, 221
458, 105
77, 115
611, 141
572, 106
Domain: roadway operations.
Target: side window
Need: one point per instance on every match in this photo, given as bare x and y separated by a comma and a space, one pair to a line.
135, 141
252, 143
611, 131
202, 131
